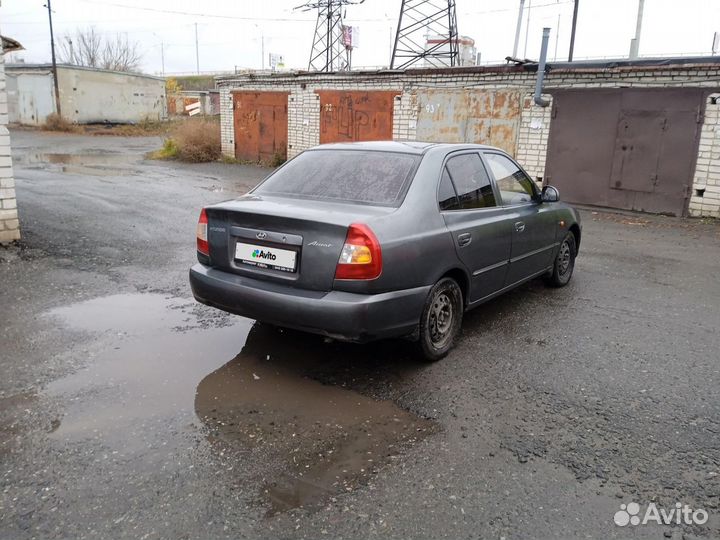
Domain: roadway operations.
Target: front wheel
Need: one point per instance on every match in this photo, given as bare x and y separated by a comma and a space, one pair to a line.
564, 262
441, 319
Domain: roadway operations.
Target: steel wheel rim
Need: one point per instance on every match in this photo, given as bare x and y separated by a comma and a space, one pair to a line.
441, 319
564, 258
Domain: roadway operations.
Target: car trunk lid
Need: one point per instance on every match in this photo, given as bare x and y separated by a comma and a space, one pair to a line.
292, 241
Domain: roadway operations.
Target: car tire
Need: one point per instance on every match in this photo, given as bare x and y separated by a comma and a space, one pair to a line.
564, 263
441, 320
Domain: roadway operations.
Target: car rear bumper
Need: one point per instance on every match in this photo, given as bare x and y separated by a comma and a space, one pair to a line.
336, 314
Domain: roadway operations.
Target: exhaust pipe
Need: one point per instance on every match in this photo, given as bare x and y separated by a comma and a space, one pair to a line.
541, 70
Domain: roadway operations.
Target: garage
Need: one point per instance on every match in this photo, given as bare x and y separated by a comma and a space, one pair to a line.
356, 116
477, 116
633, 149
261, 126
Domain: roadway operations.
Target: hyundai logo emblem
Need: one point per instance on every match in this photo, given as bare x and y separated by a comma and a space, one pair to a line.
261, 235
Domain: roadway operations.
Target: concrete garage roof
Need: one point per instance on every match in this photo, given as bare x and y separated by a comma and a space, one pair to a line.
644, 64
45, 67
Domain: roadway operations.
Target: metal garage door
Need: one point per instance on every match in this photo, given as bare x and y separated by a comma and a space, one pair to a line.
475, 116
625, 148
261, 126
356, 116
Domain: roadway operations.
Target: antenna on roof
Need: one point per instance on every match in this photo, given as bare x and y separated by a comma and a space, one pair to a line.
330, 49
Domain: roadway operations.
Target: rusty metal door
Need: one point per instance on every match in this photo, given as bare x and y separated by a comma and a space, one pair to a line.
627, 148
356, 116
261, 126
474, 116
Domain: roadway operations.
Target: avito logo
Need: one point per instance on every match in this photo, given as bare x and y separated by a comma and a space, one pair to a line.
262, 254
629, 514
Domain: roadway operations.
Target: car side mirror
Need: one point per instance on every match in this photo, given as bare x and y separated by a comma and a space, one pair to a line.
550, 194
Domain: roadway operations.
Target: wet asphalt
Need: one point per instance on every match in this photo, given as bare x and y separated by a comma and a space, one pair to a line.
129, 411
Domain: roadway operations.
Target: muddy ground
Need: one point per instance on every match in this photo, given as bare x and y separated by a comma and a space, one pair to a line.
128, 411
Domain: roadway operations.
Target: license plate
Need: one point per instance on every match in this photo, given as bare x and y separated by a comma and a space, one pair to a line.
266, 257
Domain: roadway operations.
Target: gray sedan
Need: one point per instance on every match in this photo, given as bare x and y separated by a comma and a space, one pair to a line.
365, 241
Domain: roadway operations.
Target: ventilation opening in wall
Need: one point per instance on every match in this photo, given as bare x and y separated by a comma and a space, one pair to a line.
700, 192
714, 100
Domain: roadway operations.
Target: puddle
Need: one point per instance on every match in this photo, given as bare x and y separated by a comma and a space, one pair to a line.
332, 440
213, 188
91, 164
169, 370
145, 378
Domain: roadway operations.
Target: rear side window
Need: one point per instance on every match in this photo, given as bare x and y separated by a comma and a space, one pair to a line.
471, 182
366, 177
447, 198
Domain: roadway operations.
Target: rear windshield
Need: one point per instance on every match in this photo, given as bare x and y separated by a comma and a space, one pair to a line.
375, 178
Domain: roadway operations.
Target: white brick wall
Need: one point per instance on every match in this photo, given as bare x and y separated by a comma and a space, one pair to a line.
531, 144
303, 121
9, 225
533, 136
227, 131
705, 199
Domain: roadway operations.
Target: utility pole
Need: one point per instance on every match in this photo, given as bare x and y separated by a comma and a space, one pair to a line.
635, 42
527, 29
197, 52
54, 63
162, 56
557, 38
262, 45
72, 51
572, 32
518, 28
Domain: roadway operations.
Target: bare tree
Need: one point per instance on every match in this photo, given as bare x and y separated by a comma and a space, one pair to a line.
89, 48
119, 54
82, 49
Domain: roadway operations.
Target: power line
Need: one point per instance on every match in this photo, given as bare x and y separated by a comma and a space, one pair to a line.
294, 19
197, 14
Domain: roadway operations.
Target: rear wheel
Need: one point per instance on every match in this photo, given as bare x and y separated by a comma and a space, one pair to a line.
441, 319
564, 262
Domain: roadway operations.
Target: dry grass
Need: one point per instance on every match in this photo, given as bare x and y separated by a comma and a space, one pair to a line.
195, 140
144, 128
168, 151
55, 122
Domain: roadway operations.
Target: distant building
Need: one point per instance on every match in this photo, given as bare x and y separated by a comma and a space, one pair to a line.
634, 135
87, 95
466, 49
192, 102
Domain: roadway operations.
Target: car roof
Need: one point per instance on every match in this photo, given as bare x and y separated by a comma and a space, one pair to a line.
408, 147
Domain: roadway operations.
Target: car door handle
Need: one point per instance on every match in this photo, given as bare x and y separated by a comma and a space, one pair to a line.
464, 239
519, 226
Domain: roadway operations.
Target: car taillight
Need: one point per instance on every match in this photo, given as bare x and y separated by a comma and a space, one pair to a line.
361, 257
202, 239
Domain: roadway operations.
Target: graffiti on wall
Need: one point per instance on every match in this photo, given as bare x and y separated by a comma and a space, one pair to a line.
355, 116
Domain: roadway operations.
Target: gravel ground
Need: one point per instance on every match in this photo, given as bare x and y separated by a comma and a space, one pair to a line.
129, 411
